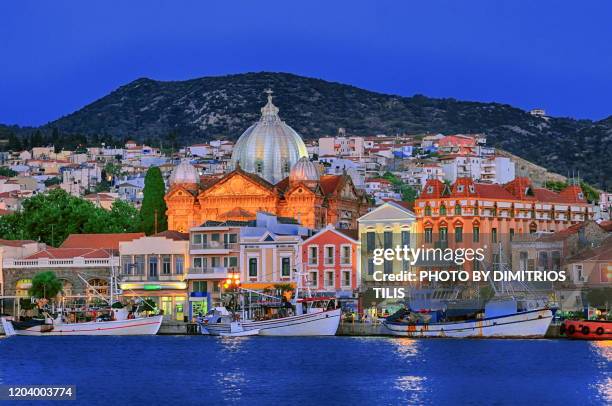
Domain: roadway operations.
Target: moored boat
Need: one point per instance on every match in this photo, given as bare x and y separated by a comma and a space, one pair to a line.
587, 329
323, 323
529, 324
119, 326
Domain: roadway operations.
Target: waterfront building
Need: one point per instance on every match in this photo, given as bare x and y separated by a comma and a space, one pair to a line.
472, 214
387, 226
271, 172
155, 267
589, 271
263, 251
82, 263
331, 261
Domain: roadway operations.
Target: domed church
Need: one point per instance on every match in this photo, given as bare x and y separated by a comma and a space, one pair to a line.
269, 171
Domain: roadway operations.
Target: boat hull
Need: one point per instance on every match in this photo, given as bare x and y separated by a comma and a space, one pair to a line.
587, 329
130, 327
530, 324
312, 324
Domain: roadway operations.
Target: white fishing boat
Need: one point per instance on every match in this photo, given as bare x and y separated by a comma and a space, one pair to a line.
317, 322
121, 325
526, 324
236, 330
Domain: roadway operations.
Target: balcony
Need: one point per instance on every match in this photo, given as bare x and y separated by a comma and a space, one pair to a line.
214, 247
210, 272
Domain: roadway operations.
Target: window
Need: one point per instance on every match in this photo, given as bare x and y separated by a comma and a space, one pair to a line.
370, 266
200, 286
252, 267
215, 262
231, 238
543, 260
388, 267
476, 234
230, 262
199, 262
457, 210
139, 261
458, 234
259, 167
346, 279
443, 234
370, 241
460, 188
428, 235
216, 286
126, 262
330, 252
216, 237
153, 265
494, 235
196, 239
313, 252
578, 274
523, 261
166, 265
285, 267
472, 190
329, 279
312, 279
476, 266
388, 239
427, 210
511, 234
345, 258
178, 265
443, 210
406, 238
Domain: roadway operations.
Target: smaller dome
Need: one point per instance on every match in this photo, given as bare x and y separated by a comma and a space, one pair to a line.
184, 173
304, 171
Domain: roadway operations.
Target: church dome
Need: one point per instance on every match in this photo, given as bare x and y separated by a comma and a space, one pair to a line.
184, 174
269, 148
304, 171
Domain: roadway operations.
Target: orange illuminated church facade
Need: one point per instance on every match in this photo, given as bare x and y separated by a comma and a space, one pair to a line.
270, 172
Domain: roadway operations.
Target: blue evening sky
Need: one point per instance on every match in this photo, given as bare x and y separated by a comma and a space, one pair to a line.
56, 56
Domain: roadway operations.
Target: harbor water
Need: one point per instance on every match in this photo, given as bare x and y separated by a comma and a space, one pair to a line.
334, 370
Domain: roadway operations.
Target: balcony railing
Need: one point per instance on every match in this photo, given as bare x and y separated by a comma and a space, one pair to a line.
77, 262
218, 270
215, 245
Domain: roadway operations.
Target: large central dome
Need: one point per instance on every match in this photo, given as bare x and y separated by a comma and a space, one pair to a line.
269, 148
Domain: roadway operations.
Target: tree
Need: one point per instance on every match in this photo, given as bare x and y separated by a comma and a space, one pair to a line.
53, 181
153, 209
8, 172
51, 217
45, 285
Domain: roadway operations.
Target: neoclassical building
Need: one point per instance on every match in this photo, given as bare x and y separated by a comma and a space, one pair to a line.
271, 172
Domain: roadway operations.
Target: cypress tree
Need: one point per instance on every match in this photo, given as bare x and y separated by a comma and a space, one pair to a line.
153, 205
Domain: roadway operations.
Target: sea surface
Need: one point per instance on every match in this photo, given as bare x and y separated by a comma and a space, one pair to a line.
312, 371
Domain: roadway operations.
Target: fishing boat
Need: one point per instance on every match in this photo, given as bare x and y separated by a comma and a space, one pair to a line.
514, 311
502, 320
236, 330
119, 324
587, 329
311, 319
115, 319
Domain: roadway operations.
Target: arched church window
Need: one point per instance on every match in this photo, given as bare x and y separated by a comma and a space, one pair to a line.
427, 210
443, 210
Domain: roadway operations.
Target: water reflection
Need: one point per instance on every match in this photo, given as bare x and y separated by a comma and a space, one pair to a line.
406, 347
231, 384
233, 344
604, 351
413, 386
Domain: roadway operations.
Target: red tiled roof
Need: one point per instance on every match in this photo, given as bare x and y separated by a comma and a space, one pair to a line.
173, 235
330, 183
491, 191
65, 253
15, 243
437, 189
102, 241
